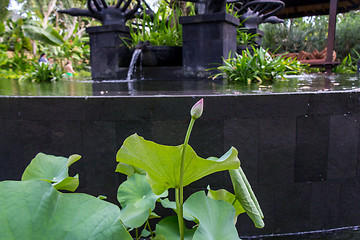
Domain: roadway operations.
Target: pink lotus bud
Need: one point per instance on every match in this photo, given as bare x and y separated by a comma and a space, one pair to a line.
197, 109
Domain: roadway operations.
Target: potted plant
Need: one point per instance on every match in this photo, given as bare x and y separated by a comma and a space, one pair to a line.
164, 37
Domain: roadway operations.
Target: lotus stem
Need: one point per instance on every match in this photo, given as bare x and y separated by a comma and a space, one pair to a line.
179, 192
150, 230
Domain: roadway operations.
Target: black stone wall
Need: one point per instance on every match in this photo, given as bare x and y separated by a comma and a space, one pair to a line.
299, 151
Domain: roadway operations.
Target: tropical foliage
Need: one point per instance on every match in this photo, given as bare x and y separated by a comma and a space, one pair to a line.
44, 73
37, 28
258, 66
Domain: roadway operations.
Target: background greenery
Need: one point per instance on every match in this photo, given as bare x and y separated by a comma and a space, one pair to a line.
310, 33
37, 27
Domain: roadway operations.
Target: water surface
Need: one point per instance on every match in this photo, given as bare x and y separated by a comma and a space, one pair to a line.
87, 87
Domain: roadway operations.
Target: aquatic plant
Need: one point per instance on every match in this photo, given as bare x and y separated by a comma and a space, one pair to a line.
35, 203
33, 208
258, 66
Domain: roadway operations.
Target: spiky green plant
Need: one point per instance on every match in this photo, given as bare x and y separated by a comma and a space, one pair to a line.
161, 29
259, 66
44, 73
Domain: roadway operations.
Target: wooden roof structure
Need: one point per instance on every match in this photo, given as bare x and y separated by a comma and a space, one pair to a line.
302, 8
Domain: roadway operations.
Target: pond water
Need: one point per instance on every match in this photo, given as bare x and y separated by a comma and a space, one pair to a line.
344, 233
87, 87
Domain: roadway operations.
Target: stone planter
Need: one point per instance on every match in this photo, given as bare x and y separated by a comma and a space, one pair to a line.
207, 38
108, 51
160, 56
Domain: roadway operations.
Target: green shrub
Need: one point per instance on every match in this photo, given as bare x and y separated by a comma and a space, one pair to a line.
296, 34
257, 67
44, 73
348, 64
83, 74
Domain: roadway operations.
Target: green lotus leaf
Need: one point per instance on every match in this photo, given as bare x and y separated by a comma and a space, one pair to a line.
162, 163
68, 183
154, 215
34, 209
159, 237
145, 233
166, 203
227, 196
246, 197
137, 199
73, 159
128, 169
52, 169
216, 217
168, 229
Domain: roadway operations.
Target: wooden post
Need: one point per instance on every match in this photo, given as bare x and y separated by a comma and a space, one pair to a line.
331, 35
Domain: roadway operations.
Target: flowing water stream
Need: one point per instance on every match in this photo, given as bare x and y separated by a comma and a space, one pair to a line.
132, 66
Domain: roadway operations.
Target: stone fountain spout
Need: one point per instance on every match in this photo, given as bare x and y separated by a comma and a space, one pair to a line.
136, 57
142, 45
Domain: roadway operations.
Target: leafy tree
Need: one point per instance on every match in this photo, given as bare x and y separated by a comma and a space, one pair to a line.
310, 33
295, 35
347, 38
3, 9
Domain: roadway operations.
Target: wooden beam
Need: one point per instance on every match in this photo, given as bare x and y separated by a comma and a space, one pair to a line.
331, 33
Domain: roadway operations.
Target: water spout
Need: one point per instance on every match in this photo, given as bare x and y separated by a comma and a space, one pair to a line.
132, 66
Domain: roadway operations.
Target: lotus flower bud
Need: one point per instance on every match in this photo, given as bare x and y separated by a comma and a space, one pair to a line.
197, 109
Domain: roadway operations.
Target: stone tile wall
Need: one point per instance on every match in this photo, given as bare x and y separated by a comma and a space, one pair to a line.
299, 151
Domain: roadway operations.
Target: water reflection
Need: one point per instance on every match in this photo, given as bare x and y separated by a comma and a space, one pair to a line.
86, 87
60, 88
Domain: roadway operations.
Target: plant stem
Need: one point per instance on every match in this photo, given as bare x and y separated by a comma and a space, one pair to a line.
179, 192
148, 225
179, 213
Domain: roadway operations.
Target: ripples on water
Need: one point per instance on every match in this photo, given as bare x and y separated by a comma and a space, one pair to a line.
344, 233
87, 87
